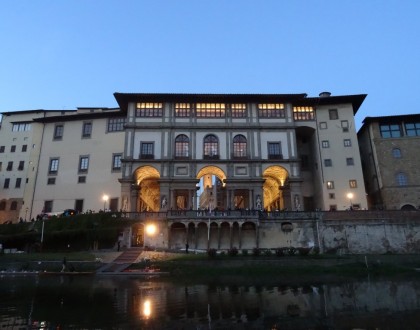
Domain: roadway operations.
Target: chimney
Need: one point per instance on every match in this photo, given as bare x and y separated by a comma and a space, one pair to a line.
325, 94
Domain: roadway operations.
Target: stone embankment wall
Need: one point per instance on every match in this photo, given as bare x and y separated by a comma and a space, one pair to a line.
361, 232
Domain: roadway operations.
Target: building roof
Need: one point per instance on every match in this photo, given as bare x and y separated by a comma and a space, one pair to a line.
296, 99
393, 118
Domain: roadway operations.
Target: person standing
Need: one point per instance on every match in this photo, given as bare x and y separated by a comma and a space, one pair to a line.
63, 269
186, 248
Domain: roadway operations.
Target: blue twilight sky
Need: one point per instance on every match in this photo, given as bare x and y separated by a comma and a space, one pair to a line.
58, 54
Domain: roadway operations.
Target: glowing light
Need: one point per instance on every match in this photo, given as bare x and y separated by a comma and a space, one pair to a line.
147, 308
151, 229
350, 195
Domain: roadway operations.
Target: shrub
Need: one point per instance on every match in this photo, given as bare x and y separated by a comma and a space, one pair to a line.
212, 253
280, 252
292, 251
256, 252
233, 252
267, 252
304, 251
244, 252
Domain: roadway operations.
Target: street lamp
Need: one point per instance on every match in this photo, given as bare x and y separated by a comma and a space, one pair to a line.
105, 199
350, 197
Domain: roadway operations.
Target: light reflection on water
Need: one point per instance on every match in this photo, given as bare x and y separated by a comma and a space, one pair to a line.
126, 303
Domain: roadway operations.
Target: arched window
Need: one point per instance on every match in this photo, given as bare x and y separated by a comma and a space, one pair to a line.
211, 147
402, 179
239, 146
2, 205
13, 206
182, 145
396, 152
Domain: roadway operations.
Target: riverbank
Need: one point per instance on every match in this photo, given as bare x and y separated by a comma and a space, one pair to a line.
201, 266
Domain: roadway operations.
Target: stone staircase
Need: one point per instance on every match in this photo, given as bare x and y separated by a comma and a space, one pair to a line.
123, 261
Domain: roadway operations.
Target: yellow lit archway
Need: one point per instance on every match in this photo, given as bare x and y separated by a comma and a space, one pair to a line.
275, 178
212, 170
146, 178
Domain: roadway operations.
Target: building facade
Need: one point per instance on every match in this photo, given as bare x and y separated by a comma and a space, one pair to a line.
391, 162
268, 152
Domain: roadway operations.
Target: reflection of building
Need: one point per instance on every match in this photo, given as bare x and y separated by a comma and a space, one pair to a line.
389, 147
295, 152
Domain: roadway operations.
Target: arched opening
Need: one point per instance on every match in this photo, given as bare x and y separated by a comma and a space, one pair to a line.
275, 181
211, 191
146, 178
178, 236
408, 207
137, 235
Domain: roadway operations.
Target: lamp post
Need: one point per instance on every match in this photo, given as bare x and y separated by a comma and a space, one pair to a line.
105, 199
350, 197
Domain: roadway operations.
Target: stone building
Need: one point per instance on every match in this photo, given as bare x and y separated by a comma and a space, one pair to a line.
389, 147
270, 152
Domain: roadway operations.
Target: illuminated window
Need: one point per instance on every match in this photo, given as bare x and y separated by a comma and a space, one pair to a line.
325, 144
149, 109
238, 110
210, 110
211, 146
303, 113
182, 143
271, 110
239, 146
353, 183
390, 131
182, 109
330, 184
347, 142
116, 124
412, 129
401, 179
21, 127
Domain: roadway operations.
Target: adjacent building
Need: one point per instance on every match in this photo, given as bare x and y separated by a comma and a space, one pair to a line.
389, 147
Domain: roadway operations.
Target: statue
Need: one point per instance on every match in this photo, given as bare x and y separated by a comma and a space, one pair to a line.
258, 202
164, 202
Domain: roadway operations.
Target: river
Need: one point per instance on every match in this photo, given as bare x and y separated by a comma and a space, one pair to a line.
126, 302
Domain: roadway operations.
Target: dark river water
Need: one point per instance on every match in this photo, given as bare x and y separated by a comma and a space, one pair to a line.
104, 302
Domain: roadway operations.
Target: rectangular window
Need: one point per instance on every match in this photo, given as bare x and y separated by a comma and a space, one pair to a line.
2, 149
87, 130
21, 165
327, 162
48, 206
352, 183
182, 109
412, 129
325, 144
333, 114
146, 150
58, 132
331, 195
116, 162
330, 184
149, 109
347, 142
51, 181
271, 110
6, 183
18, 182
53, 169
303, 113
350, 161
238, 110
12, 148
116, 124
24, 147
274, 150
345, 125
83, 164
210, 110
1, 166
21, 127
390, 131
9, 166
323, 125
78, 205
81, 179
